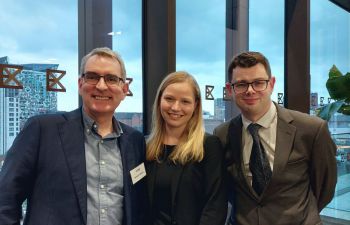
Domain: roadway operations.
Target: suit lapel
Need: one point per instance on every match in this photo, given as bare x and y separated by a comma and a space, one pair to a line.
284, 141
235, 143
175, 184
72, 136
151, 175
127, 161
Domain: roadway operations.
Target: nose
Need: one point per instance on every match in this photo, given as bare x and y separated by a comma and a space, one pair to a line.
101, 85
175, 106
250, 88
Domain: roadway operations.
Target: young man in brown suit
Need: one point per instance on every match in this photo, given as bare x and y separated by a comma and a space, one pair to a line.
281, 162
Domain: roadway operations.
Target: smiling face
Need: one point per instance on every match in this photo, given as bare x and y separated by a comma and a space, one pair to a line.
253, 104
177, 105
101, 100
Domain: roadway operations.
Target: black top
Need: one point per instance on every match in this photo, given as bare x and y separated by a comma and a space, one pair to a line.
190, 194
162, 187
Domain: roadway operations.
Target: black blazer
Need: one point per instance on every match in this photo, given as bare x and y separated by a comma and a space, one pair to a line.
198, 190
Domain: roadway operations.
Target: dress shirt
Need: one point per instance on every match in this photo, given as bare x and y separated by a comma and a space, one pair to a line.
267, 134
104, 172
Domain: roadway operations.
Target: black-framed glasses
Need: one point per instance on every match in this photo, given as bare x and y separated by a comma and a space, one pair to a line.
257, 85
109, 79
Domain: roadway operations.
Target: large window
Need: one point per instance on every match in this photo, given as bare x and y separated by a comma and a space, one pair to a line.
200, 50
266, 35
36, 36
32, 41
127, 42
330, 45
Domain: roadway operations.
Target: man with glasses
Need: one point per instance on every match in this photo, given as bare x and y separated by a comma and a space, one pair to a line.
281, 163
79, 167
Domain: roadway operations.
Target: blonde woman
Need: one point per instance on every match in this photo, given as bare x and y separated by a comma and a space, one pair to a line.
184, 165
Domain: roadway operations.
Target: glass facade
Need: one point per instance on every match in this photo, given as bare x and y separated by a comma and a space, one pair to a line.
200, 50
32, 39
267, 36
330, 45
41, 35
127, 41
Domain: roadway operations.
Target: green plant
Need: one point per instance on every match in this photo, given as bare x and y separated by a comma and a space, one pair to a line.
338, 86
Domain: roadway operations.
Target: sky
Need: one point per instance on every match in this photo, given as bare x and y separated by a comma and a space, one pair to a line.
43, 32
46, 32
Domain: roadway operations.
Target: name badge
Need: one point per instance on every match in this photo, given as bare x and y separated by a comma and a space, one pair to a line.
138, 173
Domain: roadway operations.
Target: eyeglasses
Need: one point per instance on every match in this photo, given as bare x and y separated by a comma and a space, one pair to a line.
257, 85
109, 79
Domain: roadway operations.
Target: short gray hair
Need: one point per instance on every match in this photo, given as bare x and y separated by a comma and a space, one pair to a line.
104, 52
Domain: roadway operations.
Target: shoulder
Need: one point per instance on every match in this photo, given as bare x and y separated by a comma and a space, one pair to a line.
304, 123
212, 145
222, 130
298, 118
128, 130
222, 127
210, 139
51, 118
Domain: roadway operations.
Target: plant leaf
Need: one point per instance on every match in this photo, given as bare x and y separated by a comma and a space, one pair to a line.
328, 110
334, 72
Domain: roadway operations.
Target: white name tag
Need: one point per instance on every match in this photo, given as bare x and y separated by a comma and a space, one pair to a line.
138, 173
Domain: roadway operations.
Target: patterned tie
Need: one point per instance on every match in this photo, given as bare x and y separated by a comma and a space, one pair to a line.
258, 163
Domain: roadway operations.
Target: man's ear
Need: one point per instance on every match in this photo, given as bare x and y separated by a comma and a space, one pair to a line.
125, 88
272, 82
80, 83
229, 89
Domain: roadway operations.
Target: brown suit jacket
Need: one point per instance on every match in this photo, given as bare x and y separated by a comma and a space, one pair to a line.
304, 172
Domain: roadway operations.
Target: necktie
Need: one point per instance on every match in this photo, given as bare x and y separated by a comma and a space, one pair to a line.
258, 162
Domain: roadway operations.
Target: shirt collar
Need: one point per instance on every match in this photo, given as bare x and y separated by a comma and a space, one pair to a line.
91, 125
265, 121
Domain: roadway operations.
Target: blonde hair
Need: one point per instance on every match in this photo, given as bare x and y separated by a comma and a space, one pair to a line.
190, 146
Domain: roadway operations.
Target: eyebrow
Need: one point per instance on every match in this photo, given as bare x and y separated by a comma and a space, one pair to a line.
104, 74
246, 81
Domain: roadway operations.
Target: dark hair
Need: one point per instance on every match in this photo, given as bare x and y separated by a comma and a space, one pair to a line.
247, 60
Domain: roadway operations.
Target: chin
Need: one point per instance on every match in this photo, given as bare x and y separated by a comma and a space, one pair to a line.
248, 108
103, 110
174, 125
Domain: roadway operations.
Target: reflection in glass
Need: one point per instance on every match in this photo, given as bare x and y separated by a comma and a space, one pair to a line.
330, 45
31, 38
127, 41
200, 50
266, 35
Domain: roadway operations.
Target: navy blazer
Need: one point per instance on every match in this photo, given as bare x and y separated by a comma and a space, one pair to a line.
46, 165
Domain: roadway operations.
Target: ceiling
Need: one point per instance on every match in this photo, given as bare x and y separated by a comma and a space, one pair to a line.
345, 4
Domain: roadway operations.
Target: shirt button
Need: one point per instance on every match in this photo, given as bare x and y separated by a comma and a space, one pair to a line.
101, 141
103, 162
103, 211
102, 186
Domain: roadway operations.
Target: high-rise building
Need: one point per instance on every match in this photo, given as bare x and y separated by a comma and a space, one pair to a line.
219, 109
17, 105
33, 98
9, 116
